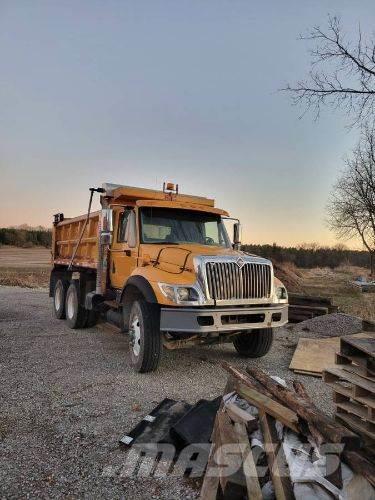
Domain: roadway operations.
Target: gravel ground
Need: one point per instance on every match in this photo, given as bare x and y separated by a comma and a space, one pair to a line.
66, 397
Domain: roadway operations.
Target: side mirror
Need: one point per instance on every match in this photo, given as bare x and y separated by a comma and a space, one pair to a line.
237, 235
107, 220
131, 231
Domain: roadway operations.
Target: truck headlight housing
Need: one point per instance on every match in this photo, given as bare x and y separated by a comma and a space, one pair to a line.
180, 294
281, 293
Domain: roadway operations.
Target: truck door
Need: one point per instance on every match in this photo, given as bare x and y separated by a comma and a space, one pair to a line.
123, 259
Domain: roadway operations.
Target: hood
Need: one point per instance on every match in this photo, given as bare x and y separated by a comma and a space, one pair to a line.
181, 257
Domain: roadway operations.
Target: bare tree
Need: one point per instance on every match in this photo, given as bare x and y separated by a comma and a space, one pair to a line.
342, 75
351, 210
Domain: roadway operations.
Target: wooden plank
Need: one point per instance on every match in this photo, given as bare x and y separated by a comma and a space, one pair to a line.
232, 460
254, 491
271, 407
315, 355
307, 411
309, 374
299, 299
276, 458
360, 371
241, 416
211, 481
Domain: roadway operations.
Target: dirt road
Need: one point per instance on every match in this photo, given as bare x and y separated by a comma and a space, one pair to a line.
67, 396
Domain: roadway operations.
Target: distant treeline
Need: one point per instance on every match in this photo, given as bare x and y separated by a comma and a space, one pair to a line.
310, 256
25, 238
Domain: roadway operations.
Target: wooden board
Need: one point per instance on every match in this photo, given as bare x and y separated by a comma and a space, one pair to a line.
277, 463
312, 356
254, 491
269, 406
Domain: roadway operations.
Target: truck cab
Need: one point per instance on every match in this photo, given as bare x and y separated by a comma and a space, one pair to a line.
162, 265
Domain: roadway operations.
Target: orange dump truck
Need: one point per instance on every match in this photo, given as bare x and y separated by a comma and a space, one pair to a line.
161, 266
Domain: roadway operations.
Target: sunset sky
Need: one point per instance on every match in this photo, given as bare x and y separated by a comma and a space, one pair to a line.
138, 92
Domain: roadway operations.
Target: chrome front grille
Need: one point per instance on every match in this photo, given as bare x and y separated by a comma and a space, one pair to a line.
226, 281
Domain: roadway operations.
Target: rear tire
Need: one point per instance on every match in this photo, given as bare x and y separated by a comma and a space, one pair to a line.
145, 337
254, 343
59, 295
76, 315
92, 319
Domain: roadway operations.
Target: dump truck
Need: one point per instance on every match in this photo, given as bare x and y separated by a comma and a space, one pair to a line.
160, 265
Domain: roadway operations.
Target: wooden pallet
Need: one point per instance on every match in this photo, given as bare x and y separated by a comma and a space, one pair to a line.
359, 386
361, 351
362, 427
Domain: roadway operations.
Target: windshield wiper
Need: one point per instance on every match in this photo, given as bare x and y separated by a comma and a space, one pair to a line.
161, 243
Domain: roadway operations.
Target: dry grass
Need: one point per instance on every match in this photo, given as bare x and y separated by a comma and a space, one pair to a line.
26, 278
25, 267
336, 284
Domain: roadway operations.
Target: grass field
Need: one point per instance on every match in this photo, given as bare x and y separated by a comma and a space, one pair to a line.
26, 267
30, 268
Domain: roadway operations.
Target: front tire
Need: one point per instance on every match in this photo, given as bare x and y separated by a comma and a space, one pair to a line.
145, 338
59, 295
76, 315
254, 343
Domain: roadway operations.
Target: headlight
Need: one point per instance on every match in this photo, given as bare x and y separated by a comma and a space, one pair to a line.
179, 294
281, 293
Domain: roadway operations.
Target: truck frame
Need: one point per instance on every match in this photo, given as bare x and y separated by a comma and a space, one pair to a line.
160, 265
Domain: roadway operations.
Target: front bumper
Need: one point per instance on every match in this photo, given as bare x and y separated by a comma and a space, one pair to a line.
228, 319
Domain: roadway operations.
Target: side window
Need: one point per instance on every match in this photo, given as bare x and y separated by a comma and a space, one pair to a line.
122, 223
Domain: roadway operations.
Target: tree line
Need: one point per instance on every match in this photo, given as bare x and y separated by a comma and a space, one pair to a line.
311, 256
25, 238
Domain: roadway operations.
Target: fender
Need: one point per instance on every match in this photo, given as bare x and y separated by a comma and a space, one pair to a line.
143, 286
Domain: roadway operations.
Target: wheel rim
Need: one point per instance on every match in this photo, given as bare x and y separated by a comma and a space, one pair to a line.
70, 306
135, 336
58, 298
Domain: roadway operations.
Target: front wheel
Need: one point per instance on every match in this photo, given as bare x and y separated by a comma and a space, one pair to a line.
254, 343
145, 338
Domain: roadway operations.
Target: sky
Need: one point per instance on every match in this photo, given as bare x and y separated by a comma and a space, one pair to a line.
140, 92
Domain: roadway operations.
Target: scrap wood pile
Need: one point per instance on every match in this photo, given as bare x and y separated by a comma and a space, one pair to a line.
303, 307
353, 383
281, 445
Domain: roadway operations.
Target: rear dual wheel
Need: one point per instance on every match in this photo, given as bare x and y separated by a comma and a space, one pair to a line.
59, 295
67, 305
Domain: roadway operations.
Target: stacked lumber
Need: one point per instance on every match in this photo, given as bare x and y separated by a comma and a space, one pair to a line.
353, 383
303, 307
275, 404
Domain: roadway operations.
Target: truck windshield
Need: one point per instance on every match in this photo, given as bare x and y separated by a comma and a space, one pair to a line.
173, 226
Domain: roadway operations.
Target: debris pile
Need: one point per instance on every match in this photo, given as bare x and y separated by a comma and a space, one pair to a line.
307, 453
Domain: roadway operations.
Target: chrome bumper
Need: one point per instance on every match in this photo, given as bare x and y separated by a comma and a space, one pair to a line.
228, 319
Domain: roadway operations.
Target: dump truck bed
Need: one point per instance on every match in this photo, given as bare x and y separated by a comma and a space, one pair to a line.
66, 235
